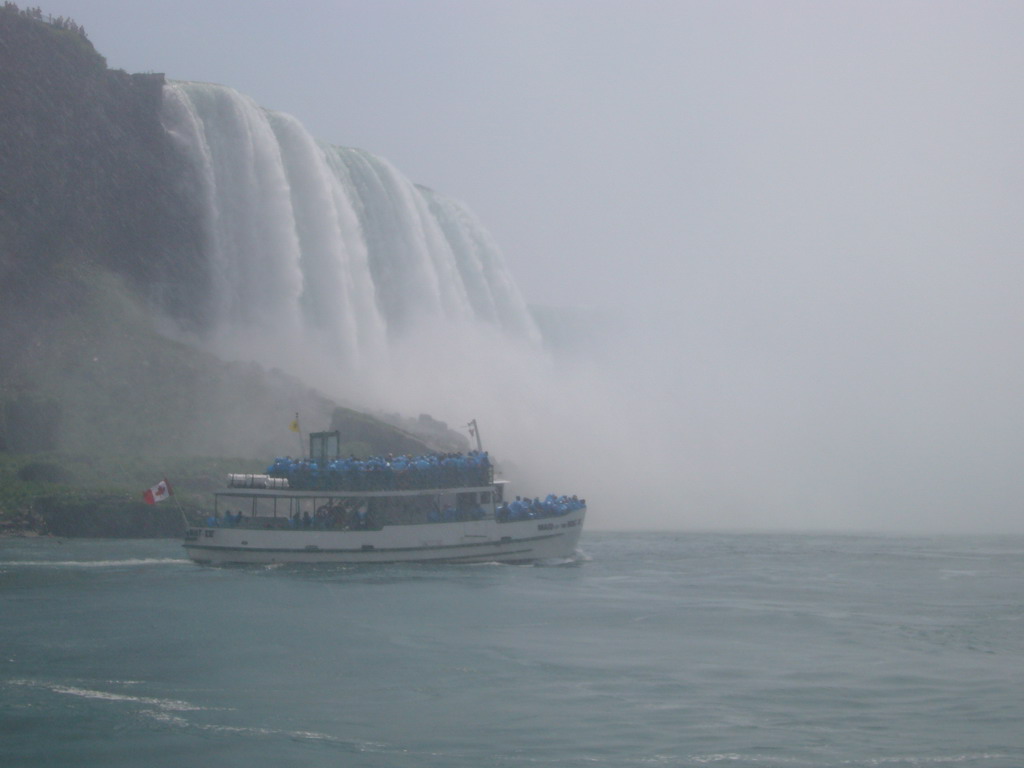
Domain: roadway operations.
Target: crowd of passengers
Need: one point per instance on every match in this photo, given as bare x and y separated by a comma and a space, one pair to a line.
387, 473
337, 516
229, 519
325, 518
531, 509
342, 516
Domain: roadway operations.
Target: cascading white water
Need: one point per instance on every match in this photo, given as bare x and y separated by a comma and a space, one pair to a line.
325, 248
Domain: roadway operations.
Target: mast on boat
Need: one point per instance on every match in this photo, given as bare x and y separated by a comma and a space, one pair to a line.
474, 430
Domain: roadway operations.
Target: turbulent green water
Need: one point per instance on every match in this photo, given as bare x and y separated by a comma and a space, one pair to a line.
653, 650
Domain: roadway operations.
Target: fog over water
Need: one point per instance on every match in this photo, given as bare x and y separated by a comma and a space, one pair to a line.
798, 223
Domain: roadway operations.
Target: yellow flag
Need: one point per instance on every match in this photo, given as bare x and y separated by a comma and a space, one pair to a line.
294, 426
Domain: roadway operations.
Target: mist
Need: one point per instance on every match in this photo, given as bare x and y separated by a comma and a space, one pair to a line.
797, 223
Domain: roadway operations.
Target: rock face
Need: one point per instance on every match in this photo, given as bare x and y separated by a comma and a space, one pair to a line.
96, 204
87, 171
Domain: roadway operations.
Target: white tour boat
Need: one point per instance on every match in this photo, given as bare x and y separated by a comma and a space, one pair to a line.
436, 508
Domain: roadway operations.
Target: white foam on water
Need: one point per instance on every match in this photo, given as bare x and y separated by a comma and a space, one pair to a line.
167, 718
172, 705
928, 759
128, 563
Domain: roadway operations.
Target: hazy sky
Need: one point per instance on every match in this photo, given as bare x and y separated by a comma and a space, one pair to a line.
812, 210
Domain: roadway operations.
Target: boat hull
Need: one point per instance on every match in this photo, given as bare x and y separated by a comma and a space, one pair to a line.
474, 541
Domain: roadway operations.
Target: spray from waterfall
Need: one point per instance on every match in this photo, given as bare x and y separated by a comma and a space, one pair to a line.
327, 263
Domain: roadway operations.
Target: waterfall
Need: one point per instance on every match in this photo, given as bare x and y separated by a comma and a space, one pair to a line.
328, 249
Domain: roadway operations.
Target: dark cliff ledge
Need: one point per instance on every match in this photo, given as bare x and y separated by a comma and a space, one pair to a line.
107, 517
87, 172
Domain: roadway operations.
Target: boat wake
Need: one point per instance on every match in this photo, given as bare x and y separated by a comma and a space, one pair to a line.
171, 705
127, 563
179, 714
577, 558
557, 562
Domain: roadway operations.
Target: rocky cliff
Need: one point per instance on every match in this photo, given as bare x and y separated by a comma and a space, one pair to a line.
87, 173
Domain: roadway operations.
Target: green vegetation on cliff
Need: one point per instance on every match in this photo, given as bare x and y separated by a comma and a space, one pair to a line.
101, 495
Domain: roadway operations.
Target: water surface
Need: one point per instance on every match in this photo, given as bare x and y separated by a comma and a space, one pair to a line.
651, 650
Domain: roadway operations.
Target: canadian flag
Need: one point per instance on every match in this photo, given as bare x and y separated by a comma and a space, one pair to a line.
158, 492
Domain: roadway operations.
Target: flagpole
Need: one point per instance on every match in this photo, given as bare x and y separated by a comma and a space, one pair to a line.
173, 495
297, 428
